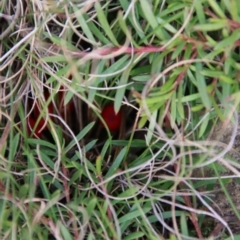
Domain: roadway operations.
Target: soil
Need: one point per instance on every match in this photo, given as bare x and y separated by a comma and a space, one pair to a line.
223, 133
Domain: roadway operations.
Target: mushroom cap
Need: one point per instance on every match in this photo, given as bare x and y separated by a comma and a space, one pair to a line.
39, 128
112, 119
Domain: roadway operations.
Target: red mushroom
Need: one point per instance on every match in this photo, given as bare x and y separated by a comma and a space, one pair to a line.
31, 122
112, 119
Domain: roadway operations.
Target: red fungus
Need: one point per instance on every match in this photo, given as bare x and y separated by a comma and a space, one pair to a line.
38, 130
50, 105
112, 119
50, 108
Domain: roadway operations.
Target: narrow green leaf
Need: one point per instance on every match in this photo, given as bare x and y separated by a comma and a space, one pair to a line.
133, 214
61, 72
98, 34
173, 110
117, 162
211, 26
216, 8
79, 136
121, 91
129, 192
140, 70
184, 225
14, 146
125, 29
178, 50
229, 41
91, 206
197, 108
141, 78
49, 161
190, 98
133, 18
90, 145
235, 237
180, 108
54, 59
99, 165
204, 125
120, 63
166, 25
227, 79
40, 142
159, 98
146, 8
202, 88
68, 97
151, 126
61, 41
105, 148
211, 41
200, 11
227, 66
99, 65
234, 9
137, 143
134, 236
105, 26
65, 233
81, 19
75, 177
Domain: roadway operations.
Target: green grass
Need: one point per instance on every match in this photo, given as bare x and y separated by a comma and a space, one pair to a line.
171, 67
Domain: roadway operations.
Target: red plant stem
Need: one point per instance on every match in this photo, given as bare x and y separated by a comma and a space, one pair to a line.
182, 74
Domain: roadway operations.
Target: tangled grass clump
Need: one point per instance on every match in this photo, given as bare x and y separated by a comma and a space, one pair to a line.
106, 111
